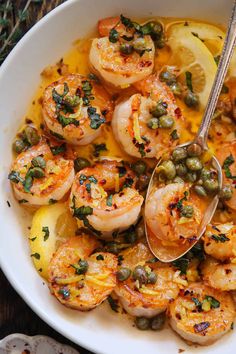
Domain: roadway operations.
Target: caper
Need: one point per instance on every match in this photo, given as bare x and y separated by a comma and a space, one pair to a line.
211, 185
152, 28
193, 163
194, 150
158, 322
130, 236
80, 163
139, 167
178, 180
123, 273
152, 278
143, 182
18, 146
139, 45
159, 110
142, 323
160, 43
31, 135
191, 99
38, 161
205, 174
153, 123
191, 177
126, 48
187, 211
166, 122
179, 154
176, 89
167, 77
140, 274
226, 192
169, 169
200, 191
37, 172
181, 169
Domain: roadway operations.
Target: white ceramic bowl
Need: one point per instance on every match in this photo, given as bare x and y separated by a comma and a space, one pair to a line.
100, 330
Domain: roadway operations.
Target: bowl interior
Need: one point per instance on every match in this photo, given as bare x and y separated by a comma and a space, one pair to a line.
101, 330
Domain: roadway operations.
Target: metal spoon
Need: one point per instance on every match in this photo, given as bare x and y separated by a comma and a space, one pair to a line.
167, 253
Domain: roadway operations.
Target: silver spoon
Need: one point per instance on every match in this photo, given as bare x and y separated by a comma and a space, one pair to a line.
169, 254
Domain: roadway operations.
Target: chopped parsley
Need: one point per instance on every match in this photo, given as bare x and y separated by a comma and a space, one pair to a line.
181, 264
59, 98
100, 257
109, 201
227, 163
219, 238
64, 121
96, 120
113, 303
174, 135
188, 77
98, 148
36, 255
15, 177
45, 229
56, 150
113, 35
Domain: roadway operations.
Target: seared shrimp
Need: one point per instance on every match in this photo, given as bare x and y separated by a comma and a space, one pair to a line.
220, 241
163, 213
103, 197
143, 297
201, 314
73, 107
38, 177
80, 279
226, 155
116, 60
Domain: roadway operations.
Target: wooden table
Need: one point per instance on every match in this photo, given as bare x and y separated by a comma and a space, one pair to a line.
15, 315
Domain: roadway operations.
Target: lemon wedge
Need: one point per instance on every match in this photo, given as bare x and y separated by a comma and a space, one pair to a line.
51, 226
191, 54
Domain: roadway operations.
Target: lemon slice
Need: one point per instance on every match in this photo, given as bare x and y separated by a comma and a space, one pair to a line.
190, 54
212, 36
51, 226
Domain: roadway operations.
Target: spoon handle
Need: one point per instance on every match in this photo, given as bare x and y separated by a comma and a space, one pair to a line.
227, 52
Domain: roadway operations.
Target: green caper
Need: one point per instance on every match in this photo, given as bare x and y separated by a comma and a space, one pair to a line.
178, 180
191, 177
194, 150
159, 110
181, 169
176, 89
31, 135
123, 273
18, 146
200, 191
167, 77
205, 174
160, 43
211, 185
38, 161
166, 122
130, 236
169, 169
193, 164
37, 172
187, 211
179, 154
153, 123
152, 28
152, 278
158, 322
140, 274
191, 100
142, 323
139, 167
139, 45
226, 192
126, 48
80, 163
143, 182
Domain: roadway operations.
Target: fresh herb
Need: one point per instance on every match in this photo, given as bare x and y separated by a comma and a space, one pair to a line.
23, 201
33, 239
128, 182
98, 148
92, 179
81, 267
65, 292
217, 59
82, 178
64, 121
45, 229
174, 135
220, 238
141, 149
56, 135
100, 257
28, 182
197, 302
188, 76
15, 177
113, 35
95, 119
58, 98
52, 201
56, 150
88, 187
226, 164
113, 303
126, 22
181, 264
87, 90
122, 171
36, 255
93, 77
109, 201
120, 259
179, 204
213, 302
152, 260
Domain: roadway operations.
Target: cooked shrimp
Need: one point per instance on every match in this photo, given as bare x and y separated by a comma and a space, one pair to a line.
146, 299
218, 275
80, 279
226, 155
163, 213
220, 241
201, 314
117, 61
133, 123
38, 177
107, 196
67, 111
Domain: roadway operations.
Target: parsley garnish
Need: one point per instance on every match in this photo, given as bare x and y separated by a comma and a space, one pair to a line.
174, 135
188, 76
35, 255
98, 148
227, 163
95, 119
15, 177
109, 200
113, 303
181, 264
220, 238
113, 35
45, 229
100, 257
56, 150
64, 121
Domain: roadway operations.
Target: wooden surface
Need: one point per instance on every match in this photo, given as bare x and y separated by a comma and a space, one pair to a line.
15, 315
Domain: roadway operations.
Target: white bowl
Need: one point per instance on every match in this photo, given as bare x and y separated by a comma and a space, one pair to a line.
100, 330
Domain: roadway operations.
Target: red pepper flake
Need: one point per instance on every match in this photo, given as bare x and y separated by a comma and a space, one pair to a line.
178, 112
145, 64
200, 327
